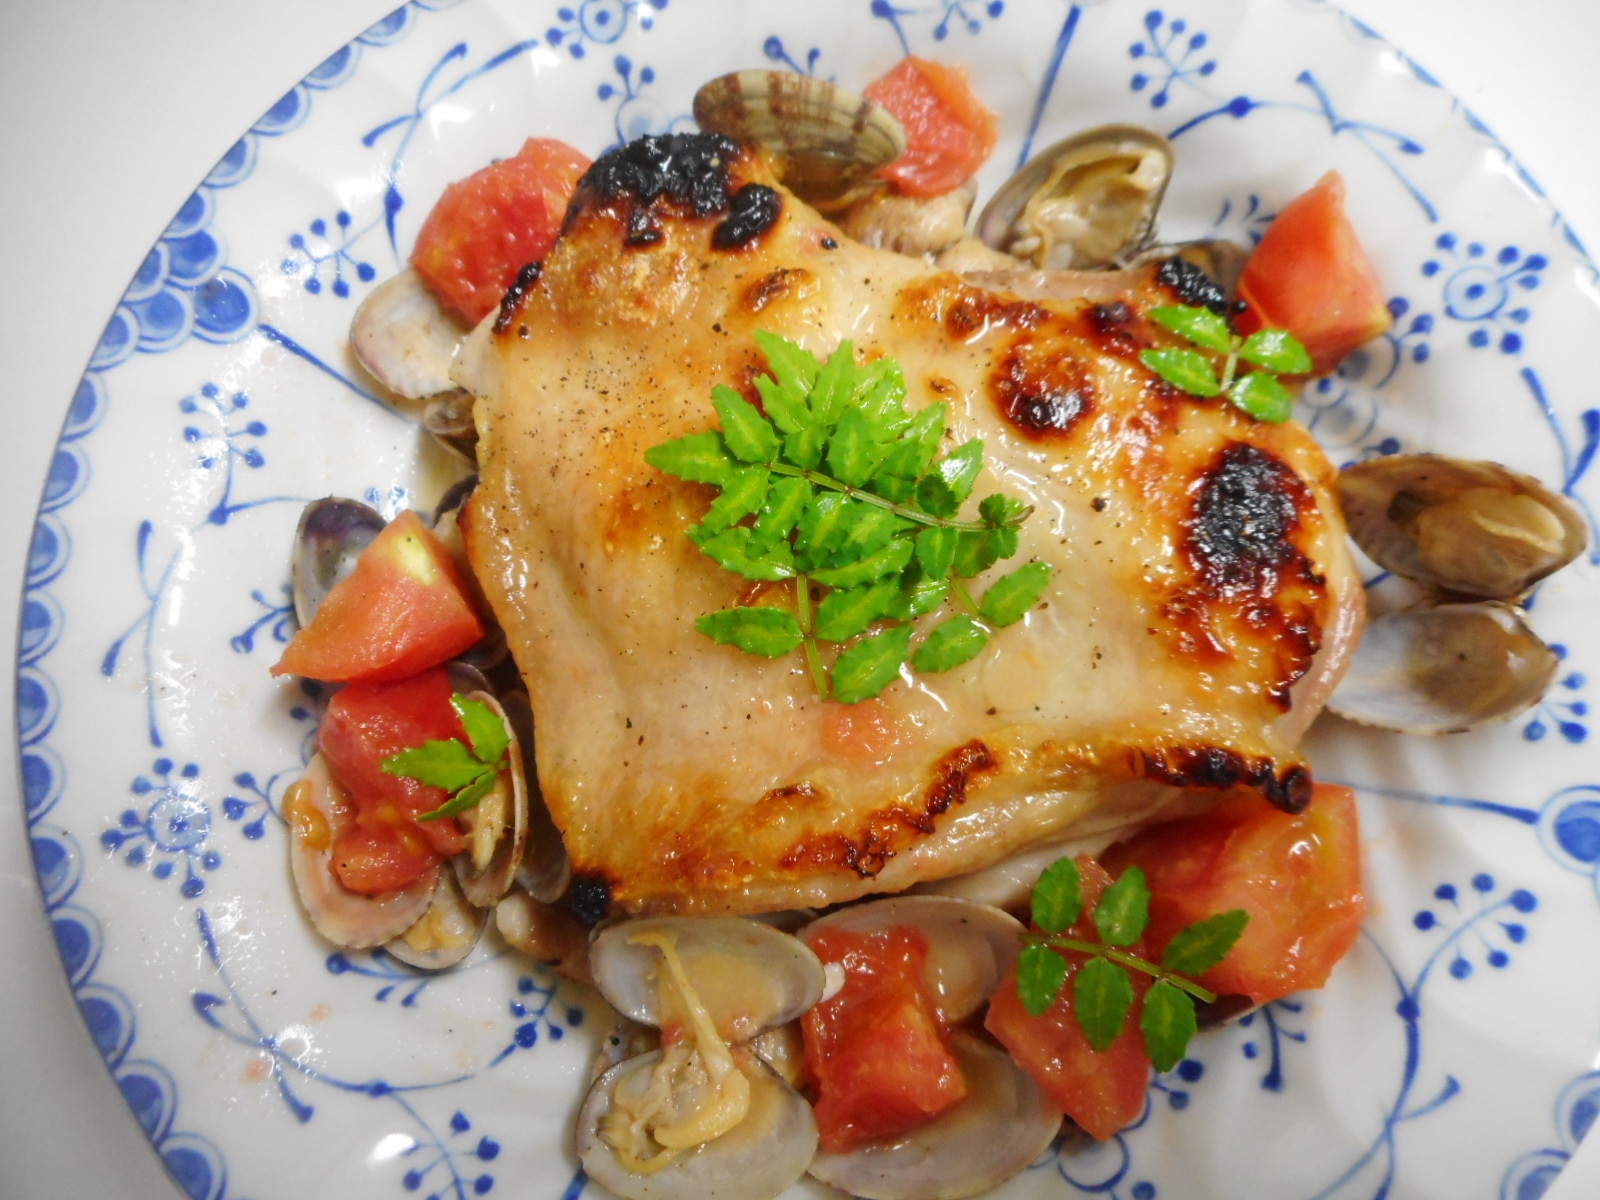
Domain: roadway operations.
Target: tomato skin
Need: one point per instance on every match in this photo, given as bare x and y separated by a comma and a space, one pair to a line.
487, 227
949, 133
384, 846
875, 1050
1310, 276
1298, 876
1101, 1090
403, 609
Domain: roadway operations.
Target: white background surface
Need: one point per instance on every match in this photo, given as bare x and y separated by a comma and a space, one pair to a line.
111, 111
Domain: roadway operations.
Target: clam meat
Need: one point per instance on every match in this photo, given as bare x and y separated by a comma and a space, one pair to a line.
1087, 202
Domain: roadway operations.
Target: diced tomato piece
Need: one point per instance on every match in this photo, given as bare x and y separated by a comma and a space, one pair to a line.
949, 133
875, 1050
1102, 1090
1298, 876
403, 609
487, 227
364, 724
1310, 276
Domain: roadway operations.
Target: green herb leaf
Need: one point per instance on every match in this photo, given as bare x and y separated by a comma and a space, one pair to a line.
698, 457
1000, 510
891, 558
1197, 948
853, 454
867, 531
440, 763
834, 385
749, 435
1011, 596
804, 447
870, 665
786, 406
846, 612
1123, 909
946, 488
1102, 994
1277, 350
1262, 396
921, 593
952, 642
1167, 1023
977, 551
463, 799
769, 632
936, 550
824, 525
1040, 974
1187, 370
486, 732
732, 550
1199, 325
743, 492
786, 501
1058, 896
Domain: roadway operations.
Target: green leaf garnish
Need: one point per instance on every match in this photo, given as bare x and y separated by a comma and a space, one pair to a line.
769, 632
1259, 393
466, 771
832, 484
1101, 968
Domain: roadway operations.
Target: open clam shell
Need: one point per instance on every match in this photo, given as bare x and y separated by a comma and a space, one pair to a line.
497, 826
827, 141
749, 975
1002, 1126
445, 934
316, 812
1467, 526
756, 1159
405, 339
1089, 201
1444, 669
970, 946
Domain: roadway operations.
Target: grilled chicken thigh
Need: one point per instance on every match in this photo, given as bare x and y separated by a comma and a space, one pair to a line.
1202, 604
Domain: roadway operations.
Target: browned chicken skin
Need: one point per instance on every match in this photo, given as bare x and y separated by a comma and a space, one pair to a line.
1201, 608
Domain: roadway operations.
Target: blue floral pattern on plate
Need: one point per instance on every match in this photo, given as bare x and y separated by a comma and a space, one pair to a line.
155, 754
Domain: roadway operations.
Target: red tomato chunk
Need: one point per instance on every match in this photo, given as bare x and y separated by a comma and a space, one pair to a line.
1103, 1091
1298, 876
488, 226
949, 133
403, 609
384, 847
1310, 276
875, 1051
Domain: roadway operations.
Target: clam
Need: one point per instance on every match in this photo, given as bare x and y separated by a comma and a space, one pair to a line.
317, 811
1474, 528
758, 1157
704, 1115
549, 933
1087, 202
330, 537
446, 933
748, 975
970, 946
827, 141
1004, 1124
405, 338
912, 225
1444, 669
497, 825
448, 416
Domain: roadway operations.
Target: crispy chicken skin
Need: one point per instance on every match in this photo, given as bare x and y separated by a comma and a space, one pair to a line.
1201, 608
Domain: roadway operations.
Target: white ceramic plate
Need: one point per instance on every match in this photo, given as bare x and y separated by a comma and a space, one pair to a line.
1452, 1055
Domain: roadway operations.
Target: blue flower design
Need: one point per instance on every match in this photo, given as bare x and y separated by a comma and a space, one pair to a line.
1576, 1110
600, 23
328, 252
1565, 717
1171, 56
950, 14
1492, 938
637, 114
171, 831
1483, 290
774, 49
534, 1010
